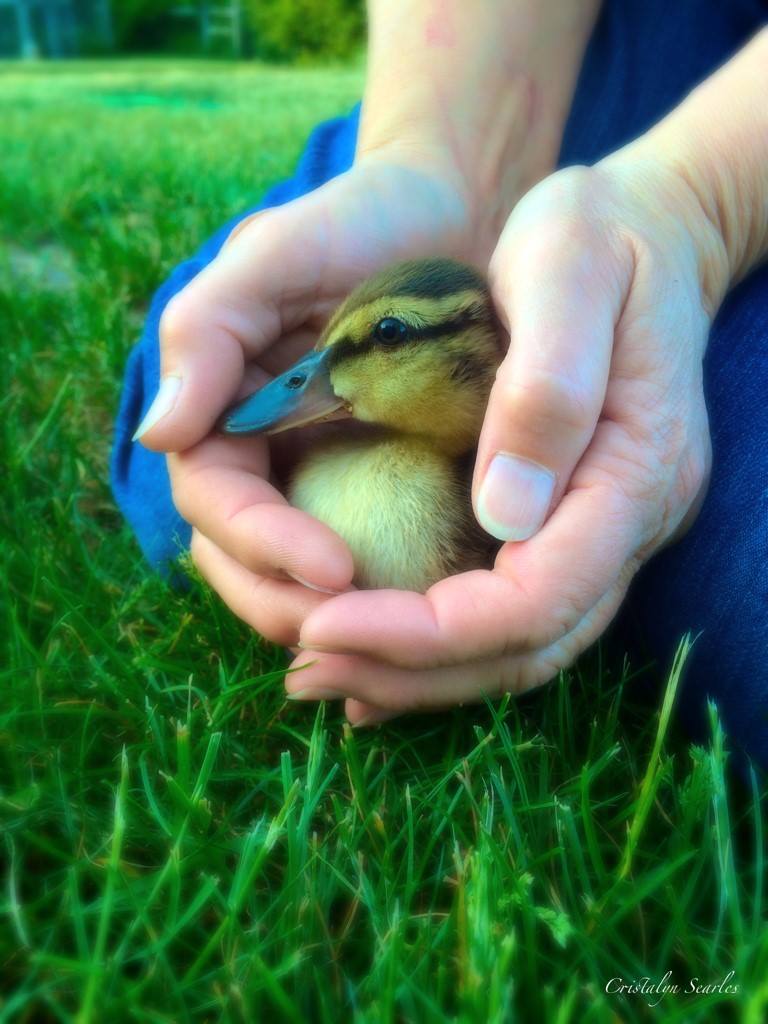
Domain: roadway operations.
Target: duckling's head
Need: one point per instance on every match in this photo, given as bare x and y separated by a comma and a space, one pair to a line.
413, 348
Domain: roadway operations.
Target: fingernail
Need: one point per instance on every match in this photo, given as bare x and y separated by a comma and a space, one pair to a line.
312, 586
514, 497
165, 399
315, 693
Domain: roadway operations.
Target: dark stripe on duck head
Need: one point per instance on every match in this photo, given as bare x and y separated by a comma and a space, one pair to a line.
433, 279
420, 279
347, 348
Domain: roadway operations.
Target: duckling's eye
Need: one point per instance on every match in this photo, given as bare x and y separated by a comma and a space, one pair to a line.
390, 331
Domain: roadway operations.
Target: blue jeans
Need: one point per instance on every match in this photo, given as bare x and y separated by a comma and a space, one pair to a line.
644, 56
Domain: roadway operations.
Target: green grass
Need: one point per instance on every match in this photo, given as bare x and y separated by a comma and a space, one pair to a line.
181, 844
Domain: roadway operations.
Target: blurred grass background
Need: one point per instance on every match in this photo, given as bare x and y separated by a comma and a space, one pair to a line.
178, 843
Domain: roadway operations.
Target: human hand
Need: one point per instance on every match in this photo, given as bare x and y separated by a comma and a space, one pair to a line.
250, 314
607, 279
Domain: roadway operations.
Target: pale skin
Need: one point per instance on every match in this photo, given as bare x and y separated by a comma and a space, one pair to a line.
607, 280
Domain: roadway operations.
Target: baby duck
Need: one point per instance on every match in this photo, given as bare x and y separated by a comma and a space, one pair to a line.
411, 353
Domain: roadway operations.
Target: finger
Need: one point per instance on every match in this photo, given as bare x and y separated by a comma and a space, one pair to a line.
219, 488
275, 609
396, 689
374, 686
537, 592
555, 283
230, 312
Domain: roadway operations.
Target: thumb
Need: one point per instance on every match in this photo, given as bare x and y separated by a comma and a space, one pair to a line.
228, 314
560, 303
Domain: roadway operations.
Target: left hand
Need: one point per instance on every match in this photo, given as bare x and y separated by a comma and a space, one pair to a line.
602, 276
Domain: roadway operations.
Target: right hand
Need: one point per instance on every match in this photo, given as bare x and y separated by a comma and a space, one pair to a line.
247, 316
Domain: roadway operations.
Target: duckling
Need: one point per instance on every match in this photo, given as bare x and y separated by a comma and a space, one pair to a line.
410, 355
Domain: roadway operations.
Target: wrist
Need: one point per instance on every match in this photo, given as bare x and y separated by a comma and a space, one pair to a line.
476, 93
485, 171
713, 149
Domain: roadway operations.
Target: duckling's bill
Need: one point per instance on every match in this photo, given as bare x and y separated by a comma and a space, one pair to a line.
301, 395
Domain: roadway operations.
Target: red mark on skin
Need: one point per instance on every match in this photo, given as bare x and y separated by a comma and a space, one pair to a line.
532, 100
440, 29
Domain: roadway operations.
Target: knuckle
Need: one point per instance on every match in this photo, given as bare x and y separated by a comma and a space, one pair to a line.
265, 611
176, 321
693, 473
547, 398
540, 669
701, 457
195, 548
575, 185
569, 194
183, 498
569, 232
192, 490
396, 692
557, 216
566, 242
282, 631
568, 603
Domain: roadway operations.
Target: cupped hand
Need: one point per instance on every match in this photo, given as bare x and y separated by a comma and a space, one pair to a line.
250, 314
594, 453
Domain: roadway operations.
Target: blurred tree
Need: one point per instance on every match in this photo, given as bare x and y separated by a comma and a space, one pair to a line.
286, 30
144, 24
54, 28
276, 30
